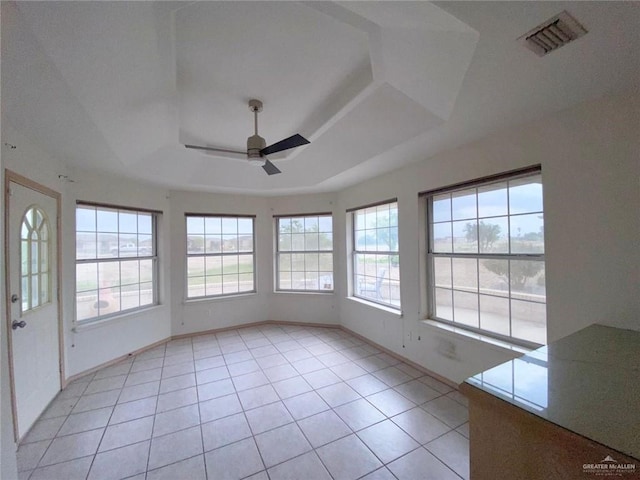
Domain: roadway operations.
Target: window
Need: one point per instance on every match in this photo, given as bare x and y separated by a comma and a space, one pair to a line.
116, 260
35, 266
376, 270
486, 257
220, 255
304, 253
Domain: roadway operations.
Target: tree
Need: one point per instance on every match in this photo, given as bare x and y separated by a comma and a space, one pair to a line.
521, 271
485, 234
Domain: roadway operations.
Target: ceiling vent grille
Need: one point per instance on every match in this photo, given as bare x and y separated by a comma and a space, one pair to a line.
552, 34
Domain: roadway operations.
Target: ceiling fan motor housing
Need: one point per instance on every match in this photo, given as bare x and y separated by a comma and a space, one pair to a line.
255, 143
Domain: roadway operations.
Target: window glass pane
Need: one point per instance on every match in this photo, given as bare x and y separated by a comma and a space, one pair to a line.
130, 296
213, 265
494, 277
393, 215
494, 314
285, 280
284, 242
527, 280
108, 301
325, 280
311, 224
245, 263
465, 239
245, 243
230, 284
442, 238
35, 292
311, 262
86, 304
444, 304
465, 308
107, 245
311, 241
130, 272
325, 224
529, 321
297, 242
107, 220
195, 225
86, 277
213, 225
128, 222
284, 262
463, 205
145, 223
360, 218
86, 245
493, 235
229, 264
230, 226
525, 195
465, 274
442, 272
245, 226
108, 274
146, 294
195, 266
147, 270
245, 282
441, 209
325, 262
213, 244
145, 245
284, 225
493, 200
370, 217
195, 287
213, 285
325, 241
230, 243
297, 262
527, 233
85, 219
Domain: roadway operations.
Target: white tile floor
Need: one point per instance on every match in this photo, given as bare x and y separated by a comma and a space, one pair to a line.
271, 402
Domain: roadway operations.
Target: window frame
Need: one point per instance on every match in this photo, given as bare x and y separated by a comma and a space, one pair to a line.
355, 252
220, 254
428, 196
278, 252
153, 256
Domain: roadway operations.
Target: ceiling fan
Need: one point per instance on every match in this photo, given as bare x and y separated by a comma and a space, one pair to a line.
257, 147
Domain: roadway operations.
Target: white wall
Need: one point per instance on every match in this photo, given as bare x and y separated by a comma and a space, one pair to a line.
591, 174
302, 307
90, 345
201, 315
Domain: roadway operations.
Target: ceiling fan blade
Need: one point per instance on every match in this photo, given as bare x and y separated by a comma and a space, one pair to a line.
291, 142
270, 168
213, 149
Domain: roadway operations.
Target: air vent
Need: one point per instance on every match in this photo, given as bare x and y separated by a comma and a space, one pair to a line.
552, 34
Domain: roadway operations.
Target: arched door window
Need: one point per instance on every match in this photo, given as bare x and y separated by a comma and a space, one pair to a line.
35, 265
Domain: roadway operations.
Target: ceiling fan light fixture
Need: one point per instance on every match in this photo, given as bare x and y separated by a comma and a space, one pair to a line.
257, 161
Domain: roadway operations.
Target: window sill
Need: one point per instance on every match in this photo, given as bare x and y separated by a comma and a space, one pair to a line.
225, 298
103, 322
501, 344
391, 310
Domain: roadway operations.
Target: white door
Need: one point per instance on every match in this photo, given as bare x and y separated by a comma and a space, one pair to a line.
33, 302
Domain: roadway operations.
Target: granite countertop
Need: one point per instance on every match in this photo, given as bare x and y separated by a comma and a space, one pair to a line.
587, 382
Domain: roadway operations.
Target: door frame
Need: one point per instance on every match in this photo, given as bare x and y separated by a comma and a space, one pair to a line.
12, 177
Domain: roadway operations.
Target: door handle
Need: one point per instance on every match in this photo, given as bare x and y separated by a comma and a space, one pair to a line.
14, 298
16, 324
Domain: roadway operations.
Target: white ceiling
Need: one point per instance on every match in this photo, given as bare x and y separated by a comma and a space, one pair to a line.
120, 86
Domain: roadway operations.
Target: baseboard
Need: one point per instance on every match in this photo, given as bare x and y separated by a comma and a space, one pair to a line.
417, 366
91, 370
